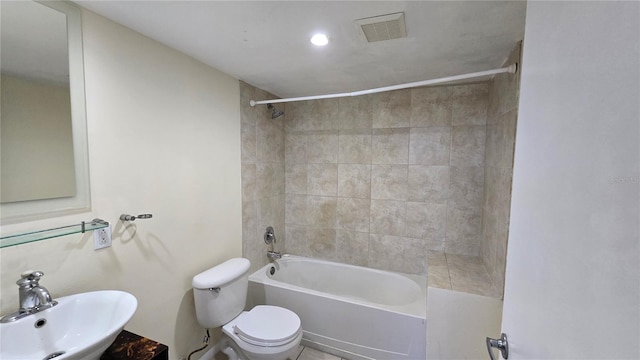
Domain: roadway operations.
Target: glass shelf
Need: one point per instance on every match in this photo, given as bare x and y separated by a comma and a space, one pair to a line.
11, 240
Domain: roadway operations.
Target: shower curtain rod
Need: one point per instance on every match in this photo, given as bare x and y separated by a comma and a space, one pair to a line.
508, 69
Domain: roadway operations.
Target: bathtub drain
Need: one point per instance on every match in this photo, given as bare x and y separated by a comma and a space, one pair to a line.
272, 270
54, 355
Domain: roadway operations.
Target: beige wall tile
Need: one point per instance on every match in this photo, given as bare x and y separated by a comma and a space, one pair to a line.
271, 213
387, 217
506, 132
306, 115
430, 94
322, 147
500, 141
295, 178
322, 243
430, 146
327, 110
470, 104
248, 182
352, 247
436, 258
492, 145
355, 112
438, 277
298, 240
465, 247
467, 145
424, 183
353, 214
354, 147
397, 253
503, 197
269, 141
391, 109
248, 143
354, 181
464, 229
314, 115
295, 147
466, 186
322, 179
250, 245
431, 106
426, 221
390, 146
263, 177
434, 245
295, 113
271, 181
389, 182
322, 211
428, 183
248, 114
296, 210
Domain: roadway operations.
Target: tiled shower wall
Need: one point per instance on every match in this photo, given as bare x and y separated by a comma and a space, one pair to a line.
501, 132
263, 198
379, 180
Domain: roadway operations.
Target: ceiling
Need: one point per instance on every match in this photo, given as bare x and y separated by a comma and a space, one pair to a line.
266, 43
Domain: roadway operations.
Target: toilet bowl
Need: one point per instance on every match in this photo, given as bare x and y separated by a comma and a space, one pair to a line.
266, 332
262, 333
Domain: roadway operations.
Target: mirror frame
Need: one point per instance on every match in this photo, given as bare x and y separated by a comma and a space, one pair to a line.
81, 202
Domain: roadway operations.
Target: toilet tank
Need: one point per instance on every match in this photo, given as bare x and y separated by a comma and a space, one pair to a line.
215, 308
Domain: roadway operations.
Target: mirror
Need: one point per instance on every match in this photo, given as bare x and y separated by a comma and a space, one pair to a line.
44, 159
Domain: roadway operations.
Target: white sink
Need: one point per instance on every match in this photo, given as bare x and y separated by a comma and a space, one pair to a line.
81, 326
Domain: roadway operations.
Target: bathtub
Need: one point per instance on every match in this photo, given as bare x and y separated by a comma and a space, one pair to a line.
349, 311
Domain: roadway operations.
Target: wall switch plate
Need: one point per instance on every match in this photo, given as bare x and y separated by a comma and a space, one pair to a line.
102, 238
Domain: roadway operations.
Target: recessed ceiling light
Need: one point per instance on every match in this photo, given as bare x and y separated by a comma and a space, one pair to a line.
319, 40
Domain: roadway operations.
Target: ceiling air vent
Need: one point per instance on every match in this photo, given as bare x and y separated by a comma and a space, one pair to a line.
384, 27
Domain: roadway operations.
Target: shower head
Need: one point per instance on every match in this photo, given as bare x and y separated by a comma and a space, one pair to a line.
275, 113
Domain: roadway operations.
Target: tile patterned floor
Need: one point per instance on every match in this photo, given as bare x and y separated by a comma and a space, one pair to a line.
460, 273
307, 353
303, 353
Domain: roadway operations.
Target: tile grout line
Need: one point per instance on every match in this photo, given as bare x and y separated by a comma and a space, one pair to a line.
448, 273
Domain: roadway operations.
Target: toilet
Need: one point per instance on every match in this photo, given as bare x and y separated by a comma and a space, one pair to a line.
262, 333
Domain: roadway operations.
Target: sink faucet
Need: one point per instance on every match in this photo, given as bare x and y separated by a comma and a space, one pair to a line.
33, 297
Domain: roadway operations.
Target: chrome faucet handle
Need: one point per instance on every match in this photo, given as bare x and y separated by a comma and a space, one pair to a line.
30, 276
269, 235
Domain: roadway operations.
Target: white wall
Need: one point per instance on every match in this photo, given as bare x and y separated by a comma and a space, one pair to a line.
573, 266
164, 138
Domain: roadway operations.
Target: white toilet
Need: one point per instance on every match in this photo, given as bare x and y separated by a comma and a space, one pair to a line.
265, 332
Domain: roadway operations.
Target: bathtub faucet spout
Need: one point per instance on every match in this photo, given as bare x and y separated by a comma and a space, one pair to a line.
273, 255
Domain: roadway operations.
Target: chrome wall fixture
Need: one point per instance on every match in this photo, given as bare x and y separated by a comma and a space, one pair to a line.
269, 235
270, 238
126, 217
501, 344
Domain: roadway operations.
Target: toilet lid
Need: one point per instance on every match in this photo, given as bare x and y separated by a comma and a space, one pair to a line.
268, 325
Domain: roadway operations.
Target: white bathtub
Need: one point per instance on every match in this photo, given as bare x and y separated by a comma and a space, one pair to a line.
349, 311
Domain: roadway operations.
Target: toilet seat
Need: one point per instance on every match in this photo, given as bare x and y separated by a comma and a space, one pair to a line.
268, 326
